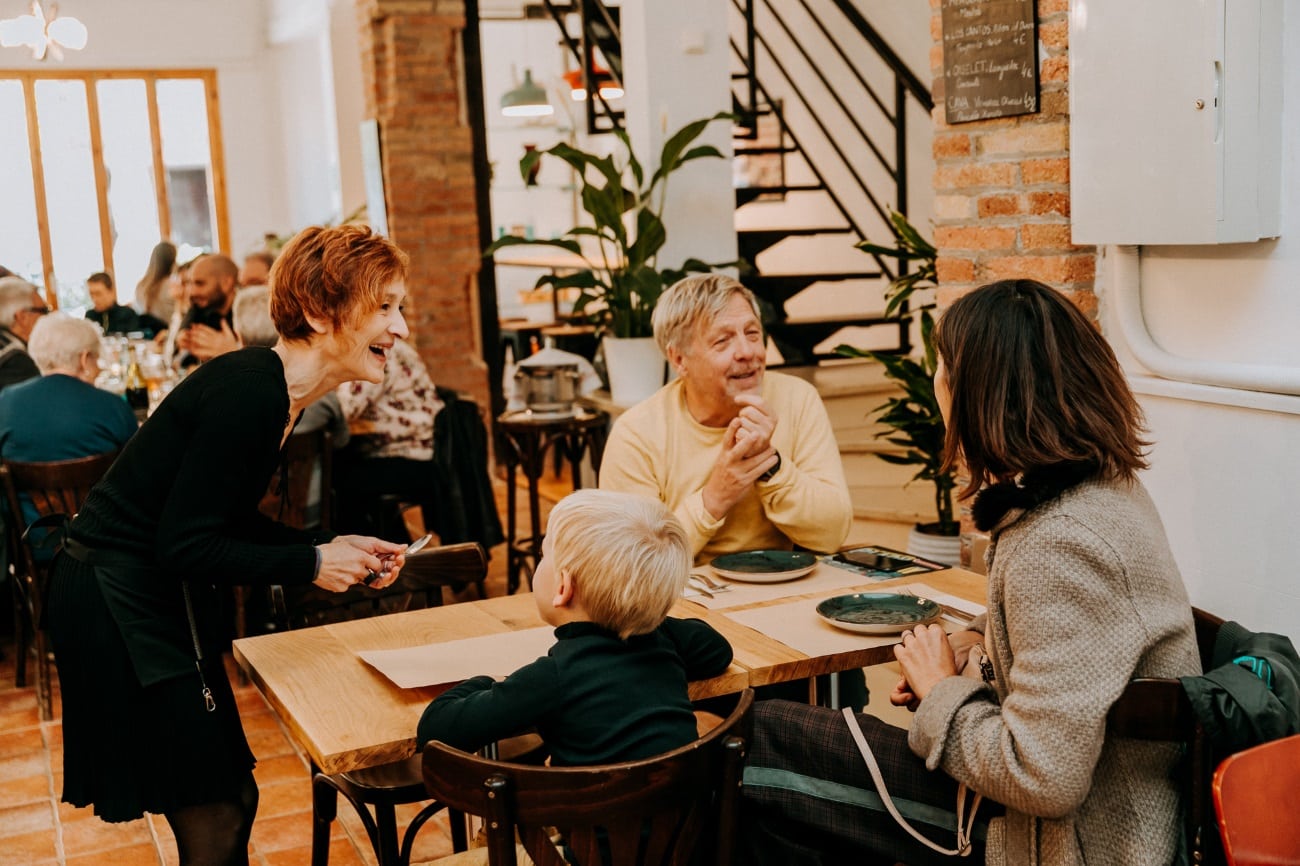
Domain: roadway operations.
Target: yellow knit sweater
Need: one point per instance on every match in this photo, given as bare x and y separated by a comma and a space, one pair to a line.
657, 449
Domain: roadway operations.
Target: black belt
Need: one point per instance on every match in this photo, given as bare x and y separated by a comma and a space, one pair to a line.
99, 557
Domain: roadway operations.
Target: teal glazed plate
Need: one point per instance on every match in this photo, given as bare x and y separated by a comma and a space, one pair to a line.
878, 612
764, 566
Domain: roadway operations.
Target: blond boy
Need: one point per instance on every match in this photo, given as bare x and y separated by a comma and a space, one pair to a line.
613, 688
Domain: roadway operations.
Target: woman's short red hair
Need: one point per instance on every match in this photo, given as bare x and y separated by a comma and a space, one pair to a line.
331, 275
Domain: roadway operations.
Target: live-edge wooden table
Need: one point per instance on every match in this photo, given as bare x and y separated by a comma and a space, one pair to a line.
346, 715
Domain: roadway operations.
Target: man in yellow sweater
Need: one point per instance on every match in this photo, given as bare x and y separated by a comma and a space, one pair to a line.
744, 458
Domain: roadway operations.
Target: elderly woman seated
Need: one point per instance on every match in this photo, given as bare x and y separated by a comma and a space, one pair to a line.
61, 415
391, 453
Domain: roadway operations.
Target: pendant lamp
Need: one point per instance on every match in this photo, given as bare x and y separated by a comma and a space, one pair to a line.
526, 100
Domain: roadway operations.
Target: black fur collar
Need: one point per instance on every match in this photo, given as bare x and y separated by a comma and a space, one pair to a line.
1033, 489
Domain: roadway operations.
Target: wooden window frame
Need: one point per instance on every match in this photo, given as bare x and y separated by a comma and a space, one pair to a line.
90, 79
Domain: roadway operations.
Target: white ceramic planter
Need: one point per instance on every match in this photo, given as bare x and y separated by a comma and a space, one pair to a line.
635, 368
939, 548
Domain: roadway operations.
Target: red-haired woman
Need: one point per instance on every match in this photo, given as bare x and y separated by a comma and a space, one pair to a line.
1083, 595
149, 719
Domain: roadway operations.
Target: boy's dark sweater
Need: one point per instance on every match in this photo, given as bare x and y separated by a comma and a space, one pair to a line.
594, 698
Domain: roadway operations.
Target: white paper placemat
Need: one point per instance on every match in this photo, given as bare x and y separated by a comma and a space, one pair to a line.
454, 661
797, 625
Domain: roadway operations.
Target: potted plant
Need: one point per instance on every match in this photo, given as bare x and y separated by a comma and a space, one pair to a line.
619, 278
913, 419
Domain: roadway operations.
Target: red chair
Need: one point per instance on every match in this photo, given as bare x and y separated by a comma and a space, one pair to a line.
1257, 800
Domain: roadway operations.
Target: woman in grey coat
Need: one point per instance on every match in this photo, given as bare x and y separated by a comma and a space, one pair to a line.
1083, 595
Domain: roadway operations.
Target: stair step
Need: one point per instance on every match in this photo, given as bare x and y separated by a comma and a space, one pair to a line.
751, 242
779, 283
798, 339
747, 194
759, 150
796, 231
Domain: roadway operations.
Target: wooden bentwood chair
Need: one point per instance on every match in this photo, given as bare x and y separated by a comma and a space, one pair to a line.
374, 792
57, 489
1158, 709
653, 812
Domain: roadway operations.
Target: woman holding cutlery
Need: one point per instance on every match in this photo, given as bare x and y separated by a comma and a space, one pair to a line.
149, 719
1083, 595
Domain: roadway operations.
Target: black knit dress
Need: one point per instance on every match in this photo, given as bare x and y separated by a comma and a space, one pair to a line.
177, 508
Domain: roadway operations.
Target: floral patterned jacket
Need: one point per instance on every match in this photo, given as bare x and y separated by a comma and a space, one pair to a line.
395, 417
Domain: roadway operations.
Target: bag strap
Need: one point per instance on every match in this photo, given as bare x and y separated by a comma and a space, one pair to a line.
209, 703
964, 823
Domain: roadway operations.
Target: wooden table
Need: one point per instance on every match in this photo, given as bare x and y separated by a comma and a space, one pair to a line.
346, 715
770, 661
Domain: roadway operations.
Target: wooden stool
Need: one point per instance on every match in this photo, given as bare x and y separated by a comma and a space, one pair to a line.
526, 437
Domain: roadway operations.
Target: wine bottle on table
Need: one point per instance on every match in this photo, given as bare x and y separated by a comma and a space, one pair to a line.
137, 389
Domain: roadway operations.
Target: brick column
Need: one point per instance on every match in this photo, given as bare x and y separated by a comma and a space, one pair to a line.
1002, 190
411, 67
1002, 186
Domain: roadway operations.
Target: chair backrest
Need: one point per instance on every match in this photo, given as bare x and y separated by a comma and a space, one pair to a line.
1158, 709
286, 498
55, 487
1257, 799
419, 585
641, 813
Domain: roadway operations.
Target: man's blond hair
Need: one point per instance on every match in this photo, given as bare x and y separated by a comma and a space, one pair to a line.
627, 555
691, 304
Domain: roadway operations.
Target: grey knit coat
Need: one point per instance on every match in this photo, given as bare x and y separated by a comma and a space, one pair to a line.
1083, 596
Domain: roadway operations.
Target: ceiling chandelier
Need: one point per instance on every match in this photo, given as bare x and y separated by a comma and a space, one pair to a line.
43, 34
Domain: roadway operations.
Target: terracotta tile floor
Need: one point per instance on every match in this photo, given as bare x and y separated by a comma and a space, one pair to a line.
37, 830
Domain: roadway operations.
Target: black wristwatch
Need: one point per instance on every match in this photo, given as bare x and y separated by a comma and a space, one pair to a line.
776, 467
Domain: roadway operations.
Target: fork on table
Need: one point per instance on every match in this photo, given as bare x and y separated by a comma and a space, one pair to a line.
709, 583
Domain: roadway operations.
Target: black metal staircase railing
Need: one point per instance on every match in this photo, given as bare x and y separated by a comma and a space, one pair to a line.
598, 30
844, 158
844, 145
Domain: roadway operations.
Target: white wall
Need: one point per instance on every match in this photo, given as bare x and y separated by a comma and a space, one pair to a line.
1225, 471
288, 79
195, 34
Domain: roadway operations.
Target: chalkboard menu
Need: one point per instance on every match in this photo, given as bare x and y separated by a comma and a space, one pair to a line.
990, 59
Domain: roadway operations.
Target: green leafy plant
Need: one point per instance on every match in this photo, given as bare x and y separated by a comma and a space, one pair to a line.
621, 282
914, 419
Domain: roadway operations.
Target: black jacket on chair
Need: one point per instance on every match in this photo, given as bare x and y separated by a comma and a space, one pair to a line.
466, 506
1252, 694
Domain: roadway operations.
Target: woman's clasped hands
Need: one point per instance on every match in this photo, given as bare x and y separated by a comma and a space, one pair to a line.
927, 655
350, 559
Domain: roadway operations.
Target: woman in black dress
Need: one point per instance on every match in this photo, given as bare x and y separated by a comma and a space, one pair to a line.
149, 719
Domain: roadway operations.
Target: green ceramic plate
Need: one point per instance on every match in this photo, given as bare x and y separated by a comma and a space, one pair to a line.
764, 566
878, 612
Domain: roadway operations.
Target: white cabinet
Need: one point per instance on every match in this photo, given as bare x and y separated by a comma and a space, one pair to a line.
1175, 121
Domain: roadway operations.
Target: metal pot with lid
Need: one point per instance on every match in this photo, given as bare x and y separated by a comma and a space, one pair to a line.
547, 382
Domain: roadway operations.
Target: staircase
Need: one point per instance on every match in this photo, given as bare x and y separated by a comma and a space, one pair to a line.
821, 157
821, 160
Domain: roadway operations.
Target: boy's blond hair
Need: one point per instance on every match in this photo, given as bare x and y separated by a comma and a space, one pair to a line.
627, 555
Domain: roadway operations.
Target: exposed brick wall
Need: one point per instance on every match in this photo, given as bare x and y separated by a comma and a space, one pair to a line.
1002, 186
1002, 189
411, 72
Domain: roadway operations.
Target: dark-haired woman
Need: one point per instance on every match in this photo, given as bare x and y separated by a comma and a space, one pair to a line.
149, 719
152, 301
1083, 595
